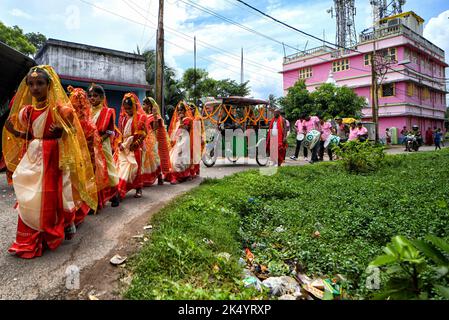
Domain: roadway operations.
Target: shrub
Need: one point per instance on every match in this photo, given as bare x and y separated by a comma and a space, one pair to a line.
409, 273
360, 157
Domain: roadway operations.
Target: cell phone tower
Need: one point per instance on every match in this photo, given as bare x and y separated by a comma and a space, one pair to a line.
382, 10
345, 12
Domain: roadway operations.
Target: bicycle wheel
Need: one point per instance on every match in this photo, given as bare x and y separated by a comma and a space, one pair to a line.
209, 158
259, 159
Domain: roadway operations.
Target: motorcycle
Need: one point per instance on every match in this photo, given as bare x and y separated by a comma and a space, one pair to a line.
411, 143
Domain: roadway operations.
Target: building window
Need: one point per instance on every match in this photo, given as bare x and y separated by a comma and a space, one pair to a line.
410, 89
389, 54
367, 59
340, 65
387, 90
407, 53
392, 52
415, 57
425, 94
305, 73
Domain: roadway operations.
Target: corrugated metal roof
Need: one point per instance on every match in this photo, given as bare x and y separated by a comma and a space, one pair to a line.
80, 46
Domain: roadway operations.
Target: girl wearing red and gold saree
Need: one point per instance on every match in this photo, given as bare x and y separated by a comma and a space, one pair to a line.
45, 148
104, 119
80, 103
132, 125
198, 138
151, 162
156, 123
180, 133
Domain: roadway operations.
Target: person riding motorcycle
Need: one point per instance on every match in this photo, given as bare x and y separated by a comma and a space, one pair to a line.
417, 134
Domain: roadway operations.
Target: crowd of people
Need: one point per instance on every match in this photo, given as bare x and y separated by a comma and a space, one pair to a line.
336, 127
66, 158
432, 137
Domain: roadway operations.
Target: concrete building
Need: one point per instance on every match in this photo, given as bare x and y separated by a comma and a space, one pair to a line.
413, 91
80, 65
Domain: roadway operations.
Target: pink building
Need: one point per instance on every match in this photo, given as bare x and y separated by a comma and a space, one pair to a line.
413, 90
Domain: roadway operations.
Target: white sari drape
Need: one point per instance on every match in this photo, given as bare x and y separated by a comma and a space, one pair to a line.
127, 163
107, 150
180, 153
29, 174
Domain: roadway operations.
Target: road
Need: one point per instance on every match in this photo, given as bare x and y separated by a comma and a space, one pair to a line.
99, 238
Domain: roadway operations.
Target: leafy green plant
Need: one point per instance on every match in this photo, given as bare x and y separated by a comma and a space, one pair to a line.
360, 157
408, 273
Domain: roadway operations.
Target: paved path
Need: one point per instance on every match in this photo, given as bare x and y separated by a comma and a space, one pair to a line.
97, 238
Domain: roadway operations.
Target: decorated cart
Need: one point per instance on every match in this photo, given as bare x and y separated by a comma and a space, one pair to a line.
236, 127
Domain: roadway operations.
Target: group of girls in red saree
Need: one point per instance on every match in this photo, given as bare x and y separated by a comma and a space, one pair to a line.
66, 157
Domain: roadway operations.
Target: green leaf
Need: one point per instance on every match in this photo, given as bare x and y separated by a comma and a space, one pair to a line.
328, 295
391, 250
383, 260
430, 252
443, 291
440, 243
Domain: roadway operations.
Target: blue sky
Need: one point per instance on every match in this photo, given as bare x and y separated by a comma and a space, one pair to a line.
124, 24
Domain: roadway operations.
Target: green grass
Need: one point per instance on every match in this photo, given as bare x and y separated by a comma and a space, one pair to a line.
356, 215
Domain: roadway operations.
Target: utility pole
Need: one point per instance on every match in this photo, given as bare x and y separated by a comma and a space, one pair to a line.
374, 89
194, 71
241, 70
159, 87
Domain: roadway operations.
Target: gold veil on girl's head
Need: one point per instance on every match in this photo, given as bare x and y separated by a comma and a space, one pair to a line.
175, 118
73, 152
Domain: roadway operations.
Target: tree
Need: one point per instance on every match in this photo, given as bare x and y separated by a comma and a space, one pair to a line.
173, 92
37, 39
227, 87
14, 37
297, 103
331, 101
327, 100
272, 99
195, 82
150, 66
209, 87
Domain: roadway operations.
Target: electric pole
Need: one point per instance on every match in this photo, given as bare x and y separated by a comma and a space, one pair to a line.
241, 70
374, 88
159, 87
195, 98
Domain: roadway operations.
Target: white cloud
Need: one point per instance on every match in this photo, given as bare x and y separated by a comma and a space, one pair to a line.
437, 31
20, 14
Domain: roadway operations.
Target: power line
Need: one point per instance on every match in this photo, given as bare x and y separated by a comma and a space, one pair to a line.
254, 13
217, 62
145, 26
136, 22
295, 29
186, 36
211, 12
208, 45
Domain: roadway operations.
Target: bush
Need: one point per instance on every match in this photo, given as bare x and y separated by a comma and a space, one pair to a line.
414, 269
360, 157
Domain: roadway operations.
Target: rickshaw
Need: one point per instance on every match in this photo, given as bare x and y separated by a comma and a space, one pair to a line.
248, 121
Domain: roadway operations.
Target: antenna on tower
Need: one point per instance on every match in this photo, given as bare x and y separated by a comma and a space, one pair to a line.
345, 12
382, 10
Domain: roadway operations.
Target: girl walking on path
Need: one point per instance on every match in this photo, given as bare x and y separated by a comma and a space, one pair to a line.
45, 148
